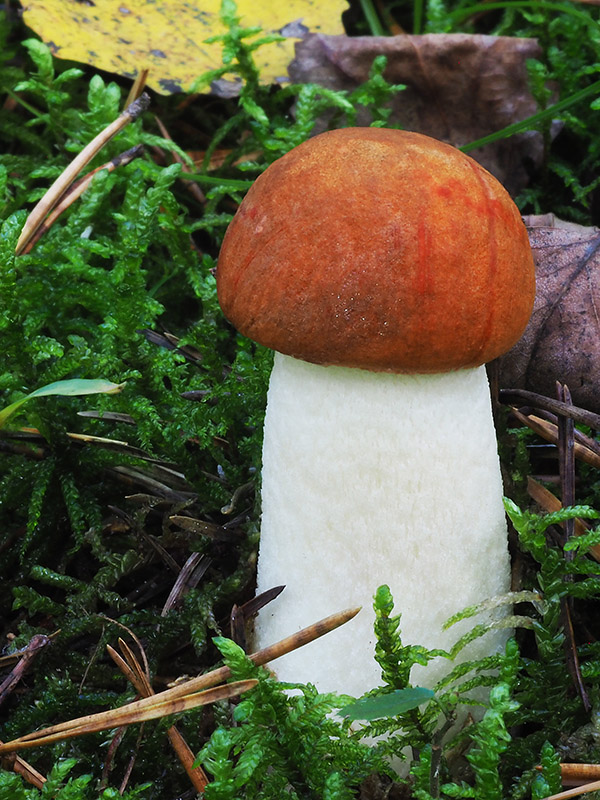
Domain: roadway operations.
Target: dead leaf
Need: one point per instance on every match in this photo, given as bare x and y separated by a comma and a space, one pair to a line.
169, 36
562, 340
460, 87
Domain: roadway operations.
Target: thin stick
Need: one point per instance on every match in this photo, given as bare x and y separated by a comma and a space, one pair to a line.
566, 460
580, 437
154, 707
134, 673
111, 751
549, 432
77, 189
35, 644
132, 760
260, 658
576, 792
582, 415
192, 187
572, 654
579, 774
55, 192
138, 86
135, 712
22, 768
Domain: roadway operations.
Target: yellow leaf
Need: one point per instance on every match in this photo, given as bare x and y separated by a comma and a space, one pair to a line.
168, 36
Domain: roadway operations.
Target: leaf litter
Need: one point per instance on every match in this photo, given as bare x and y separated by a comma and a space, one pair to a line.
170, 36
459, 87
561, 341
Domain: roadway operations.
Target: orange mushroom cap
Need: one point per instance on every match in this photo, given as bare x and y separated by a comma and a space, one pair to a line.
380, 249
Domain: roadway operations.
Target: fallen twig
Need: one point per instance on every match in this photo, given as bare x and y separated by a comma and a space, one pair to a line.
192, 187
150, 708
75, 191
578, 774
132, 670
549, 431
60, 185
138, 86
576, 792
559, 407
566, 460
26, 657
181, 697
17, 764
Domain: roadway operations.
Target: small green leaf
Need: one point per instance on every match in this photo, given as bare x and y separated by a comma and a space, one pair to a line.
387, 705
75, 386
252, 108
42, 58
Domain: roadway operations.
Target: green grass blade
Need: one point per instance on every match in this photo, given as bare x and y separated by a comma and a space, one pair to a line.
463, 13
535, 119
67, 388
372, 19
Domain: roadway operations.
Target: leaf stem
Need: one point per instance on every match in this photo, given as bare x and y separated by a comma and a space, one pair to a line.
418, 16
213, 180
372, 19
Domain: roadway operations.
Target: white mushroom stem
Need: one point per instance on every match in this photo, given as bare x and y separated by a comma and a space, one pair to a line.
372, 478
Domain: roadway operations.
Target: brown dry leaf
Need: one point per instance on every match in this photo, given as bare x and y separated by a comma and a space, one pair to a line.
562, 340
169, 36
460, 87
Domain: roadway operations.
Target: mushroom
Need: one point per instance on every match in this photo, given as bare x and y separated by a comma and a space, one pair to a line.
385, 268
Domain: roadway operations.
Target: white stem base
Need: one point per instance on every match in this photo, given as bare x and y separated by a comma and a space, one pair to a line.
373, 478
